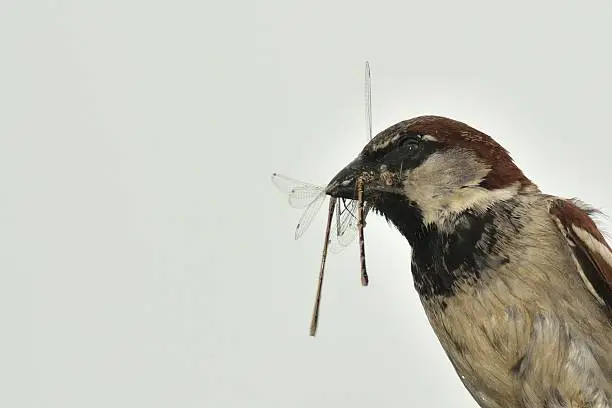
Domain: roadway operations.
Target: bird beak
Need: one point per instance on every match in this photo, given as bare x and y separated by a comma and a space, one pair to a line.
343, 185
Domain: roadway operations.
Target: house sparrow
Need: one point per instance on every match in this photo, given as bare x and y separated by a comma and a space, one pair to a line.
516, 284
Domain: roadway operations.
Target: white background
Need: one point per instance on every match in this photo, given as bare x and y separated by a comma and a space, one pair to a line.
146, 258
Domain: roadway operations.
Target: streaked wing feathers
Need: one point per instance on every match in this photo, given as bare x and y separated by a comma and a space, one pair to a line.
590, 248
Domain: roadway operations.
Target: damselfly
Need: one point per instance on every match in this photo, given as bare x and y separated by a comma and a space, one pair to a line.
350, 214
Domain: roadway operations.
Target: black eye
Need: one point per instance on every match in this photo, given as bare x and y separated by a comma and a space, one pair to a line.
410, 144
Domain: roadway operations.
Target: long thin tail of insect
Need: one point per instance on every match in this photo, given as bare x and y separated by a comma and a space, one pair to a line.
360, 225
314, 321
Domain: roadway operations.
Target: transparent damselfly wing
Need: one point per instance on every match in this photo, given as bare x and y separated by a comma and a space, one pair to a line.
310, 197
368, 101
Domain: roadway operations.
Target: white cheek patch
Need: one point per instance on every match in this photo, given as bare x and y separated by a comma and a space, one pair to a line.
447, 183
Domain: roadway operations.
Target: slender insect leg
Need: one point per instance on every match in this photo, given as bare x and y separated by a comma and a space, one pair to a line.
360, 225
314, 321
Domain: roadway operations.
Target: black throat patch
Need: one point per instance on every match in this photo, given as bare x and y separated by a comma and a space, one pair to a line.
441, 259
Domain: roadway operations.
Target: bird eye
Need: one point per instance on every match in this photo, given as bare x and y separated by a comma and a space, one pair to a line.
410, 144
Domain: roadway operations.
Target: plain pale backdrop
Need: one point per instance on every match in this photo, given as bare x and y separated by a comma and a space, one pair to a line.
146, 258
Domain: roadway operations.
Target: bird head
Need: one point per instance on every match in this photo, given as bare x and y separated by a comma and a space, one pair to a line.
428, 170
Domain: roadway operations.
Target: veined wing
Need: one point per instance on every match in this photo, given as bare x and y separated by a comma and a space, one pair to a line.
311, 196
346, 228
368, 101
308, 215
299, 193
347, 222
